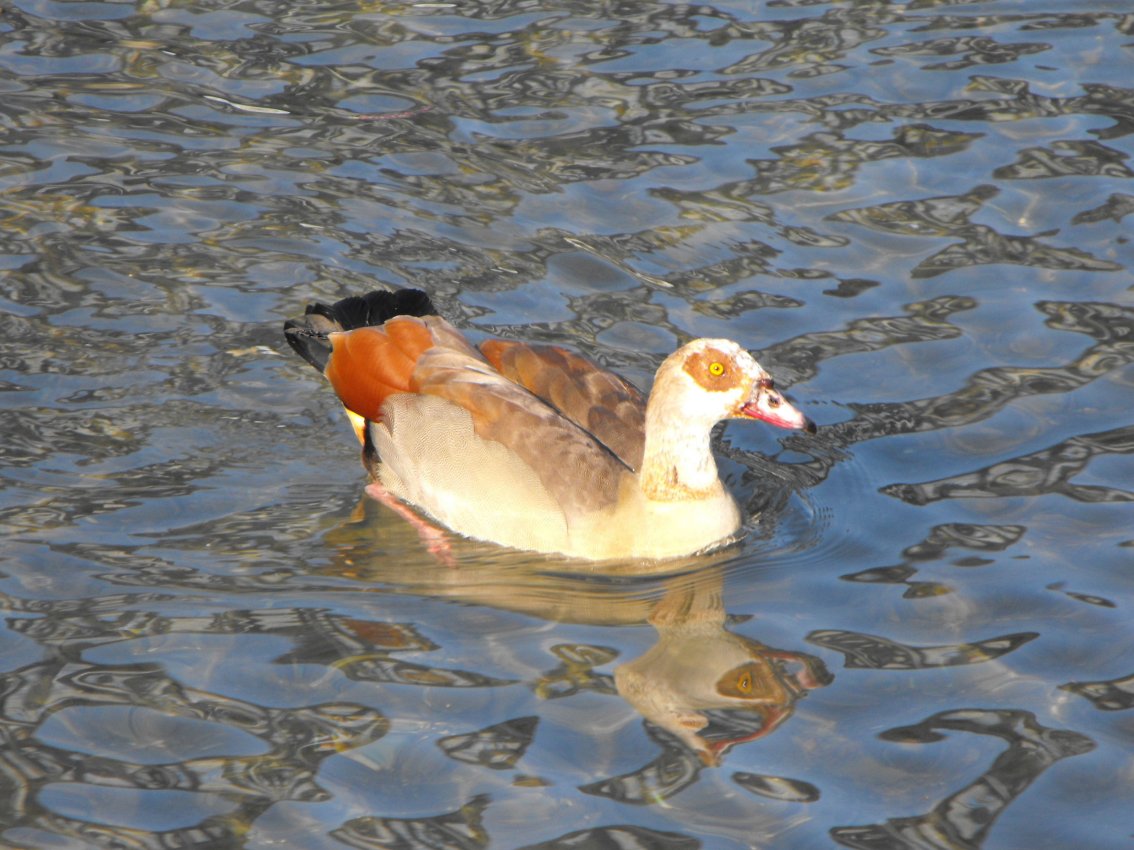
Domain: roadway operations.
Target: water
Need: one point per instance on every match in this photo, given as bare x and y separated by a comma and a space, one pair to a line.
916, 216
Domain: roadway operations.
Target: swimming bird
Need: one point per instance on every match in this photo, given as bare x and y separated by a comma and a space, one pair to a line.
533, 446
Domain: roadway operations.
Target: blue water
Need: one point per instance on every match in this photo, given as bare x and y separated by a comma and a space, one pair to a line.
917, 218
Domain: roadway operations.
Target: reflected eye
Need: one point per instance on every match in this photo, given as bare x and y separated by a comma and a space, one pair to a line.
716, 368
746, 682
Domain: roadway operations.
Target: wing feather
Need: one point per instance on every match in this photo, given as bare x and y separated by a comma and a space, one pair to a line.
549, 430
580, 473
596, 400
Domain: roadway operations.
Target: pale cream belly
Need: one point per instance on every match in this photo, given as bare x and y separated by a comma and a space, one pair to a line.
432, 459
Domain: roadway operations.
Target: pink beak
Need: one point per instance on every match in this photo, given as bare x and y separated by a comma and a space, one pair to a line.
771, 407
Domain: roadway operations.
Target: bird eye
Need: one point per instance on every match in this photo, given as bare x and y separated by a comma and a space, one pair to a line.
716, 368
774, 401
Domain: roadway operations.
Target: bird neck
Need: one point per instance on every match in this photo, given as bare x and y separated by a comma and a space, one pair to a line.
677, 462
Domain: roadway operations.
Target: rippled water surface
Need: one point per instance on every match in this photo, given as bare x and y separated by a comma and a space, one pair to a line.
916, 215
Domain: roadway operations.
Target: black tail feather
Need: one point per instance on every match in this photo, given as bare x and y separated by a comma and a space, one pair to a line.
374, 308
308, 335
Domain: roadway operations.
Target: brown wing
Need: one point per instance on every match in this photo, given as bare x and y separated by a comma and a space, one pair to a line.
427, 356
369, 364
580, 473
596, 400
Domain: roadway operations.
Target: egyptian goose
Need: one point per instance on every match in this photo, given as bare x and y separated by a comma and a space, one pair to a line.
532, 446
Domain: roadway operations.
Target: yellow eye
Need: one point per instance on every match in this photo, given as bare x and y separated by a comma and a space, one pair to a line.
716, 368
744, 683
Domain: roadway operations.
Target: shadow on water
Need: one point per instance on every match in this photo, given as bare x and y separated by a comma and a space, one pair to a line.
914, 215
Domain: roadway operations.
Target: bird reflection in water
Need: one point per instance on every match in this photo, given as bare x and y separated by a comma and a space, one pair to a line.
701, 688
704, 689
698, 670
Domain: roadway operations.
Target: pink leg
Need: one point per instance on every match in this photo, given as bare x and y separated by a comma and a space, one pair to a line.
435, 540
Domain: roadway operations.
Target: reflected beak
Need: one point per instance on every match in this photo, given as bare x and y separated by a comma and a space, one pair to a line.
768, 405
